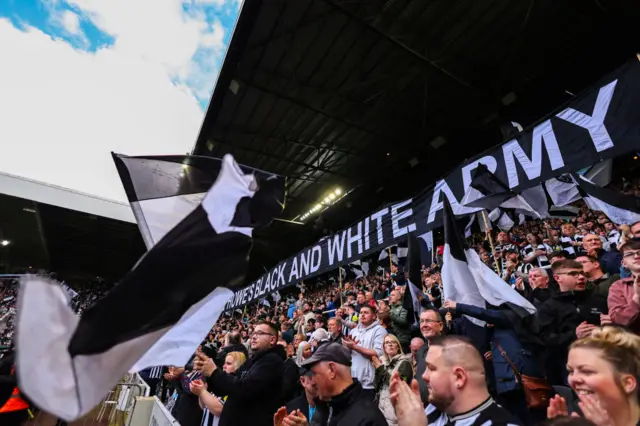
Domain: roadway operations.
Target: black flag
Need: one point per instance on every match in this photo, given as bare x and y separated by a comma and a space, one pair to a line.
160, 312
620, 208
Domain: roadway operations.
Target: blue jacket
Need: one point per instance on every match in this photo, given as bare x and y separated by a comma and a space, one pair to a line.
526, 360
610, 261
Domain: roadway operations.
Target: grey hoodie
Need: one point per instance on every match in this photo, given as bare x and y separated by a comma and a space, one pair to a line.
371, 337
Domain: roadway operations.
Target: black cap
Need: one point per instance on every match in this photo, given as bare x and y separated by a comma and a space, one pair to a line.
333, 352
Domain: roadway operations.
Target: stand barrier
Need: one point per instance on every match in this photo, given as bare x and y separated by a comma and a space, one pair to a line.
150, 411
120, 402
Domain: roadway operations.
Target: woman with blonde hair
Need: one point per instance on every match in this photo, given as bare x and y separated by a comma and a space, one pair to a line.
304, 352
297, 339
211, 404
393, 360
604, 369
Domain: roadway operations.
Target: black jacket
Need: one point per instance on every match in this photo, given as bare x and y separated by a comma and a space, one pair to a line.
559, 317
291, 387
350, 408
254, 394
421, 366
222, 355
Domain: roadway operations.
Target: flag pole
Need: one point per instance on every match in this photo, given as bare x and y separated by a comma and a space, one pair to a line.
488, 231
340, 276
390, 262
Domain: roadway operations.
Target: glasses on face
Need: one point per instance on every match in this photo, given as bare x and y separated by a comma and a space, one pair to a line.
261, 333
630, 254
573, 274
429, 321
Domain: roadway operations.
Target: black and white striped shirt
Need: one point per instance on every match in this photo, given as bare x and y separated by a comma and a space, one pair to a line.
503, 248
155, 372
543, 261
566, 244
489, 413
210, 419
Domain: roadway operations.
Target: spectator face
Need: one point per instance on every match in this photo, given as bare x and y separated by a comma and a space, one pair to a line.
587, 265
591, 242
430, 326
484, 256
568, 230
306, 307
368, 295
229, 366
502, 238
333, 327
588, 226
631, 260
635, 230
323, 374
309, 385
366, 316
339, 312
415, 345
570, 279
361, 299
512, 257
591, 374
391, 347
394, 297
531, 239
262, 338
439, 378
538, 280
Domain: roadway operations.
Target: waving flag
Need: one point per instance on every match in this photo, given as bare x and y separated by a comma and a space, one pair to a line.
466, 279
160, 312
620, 208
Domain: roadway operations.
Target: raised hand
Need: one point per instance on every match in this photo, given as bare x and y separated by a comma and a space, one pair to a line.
407, 403
557, 407
279, 416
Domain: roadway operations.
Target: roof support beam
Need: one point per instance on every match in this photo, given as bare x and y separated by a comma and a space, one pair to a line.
285, 160
401, 45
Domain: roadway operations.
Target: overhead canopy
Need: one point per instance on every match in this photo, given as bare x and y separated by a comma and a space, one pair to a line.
380, 98
78, 236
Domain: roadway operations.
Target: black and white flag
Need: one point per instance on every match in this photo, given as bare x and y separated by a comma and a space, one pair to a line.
488, 193
414, 299
466, 279
356, 268
384, 254
620, 208
427, 254
163, 308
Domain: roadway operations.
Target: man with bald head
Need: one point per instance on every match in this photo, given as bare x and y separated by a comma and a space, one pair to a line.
457, 389
414, 346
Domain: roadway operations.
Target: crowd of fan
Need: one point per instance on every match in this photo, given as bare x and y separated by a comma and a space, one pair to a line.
329, 356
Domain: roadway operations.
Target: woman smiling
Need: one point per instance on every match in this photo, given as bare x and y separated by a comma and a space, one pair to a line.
604, 368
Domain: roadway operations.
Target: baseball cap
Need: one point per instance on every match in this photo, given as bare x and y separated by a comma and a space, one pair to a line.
333, 352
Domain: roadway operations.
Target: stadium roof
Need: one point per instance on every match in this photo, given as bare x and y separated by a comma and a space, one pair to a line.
76, 235
381, 98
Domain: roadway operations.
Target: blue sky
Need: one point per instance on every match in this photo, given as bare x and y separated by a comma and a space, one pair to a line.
82, 78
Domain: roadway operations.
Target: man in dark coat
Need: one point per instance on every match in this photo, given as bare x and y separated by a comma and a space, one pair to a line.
570, 314
306, 402
431, 326
341, 398
253, 394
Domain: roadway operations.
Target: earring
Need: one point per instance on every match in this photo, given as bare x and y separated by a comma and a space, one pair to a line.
458, 385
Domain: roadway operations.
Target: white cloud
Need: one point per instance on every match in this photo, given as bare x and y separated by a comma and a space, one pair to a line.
64, 110
71, 22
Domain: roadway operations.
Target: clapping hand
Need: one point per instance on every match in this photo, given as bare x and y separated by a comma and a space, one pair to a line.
197, 387
278, 417
349, 342
296, 418
376, 362
557, 407
204, 363
584, 329
406, 401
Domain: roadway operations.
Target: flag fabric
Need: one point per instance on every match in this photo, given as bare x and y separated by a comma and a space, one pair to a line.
162, 309
276, 296
487, 192
620, 208
384, 254
356, 268
413, 295
466, 279
426, 252
265, 302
